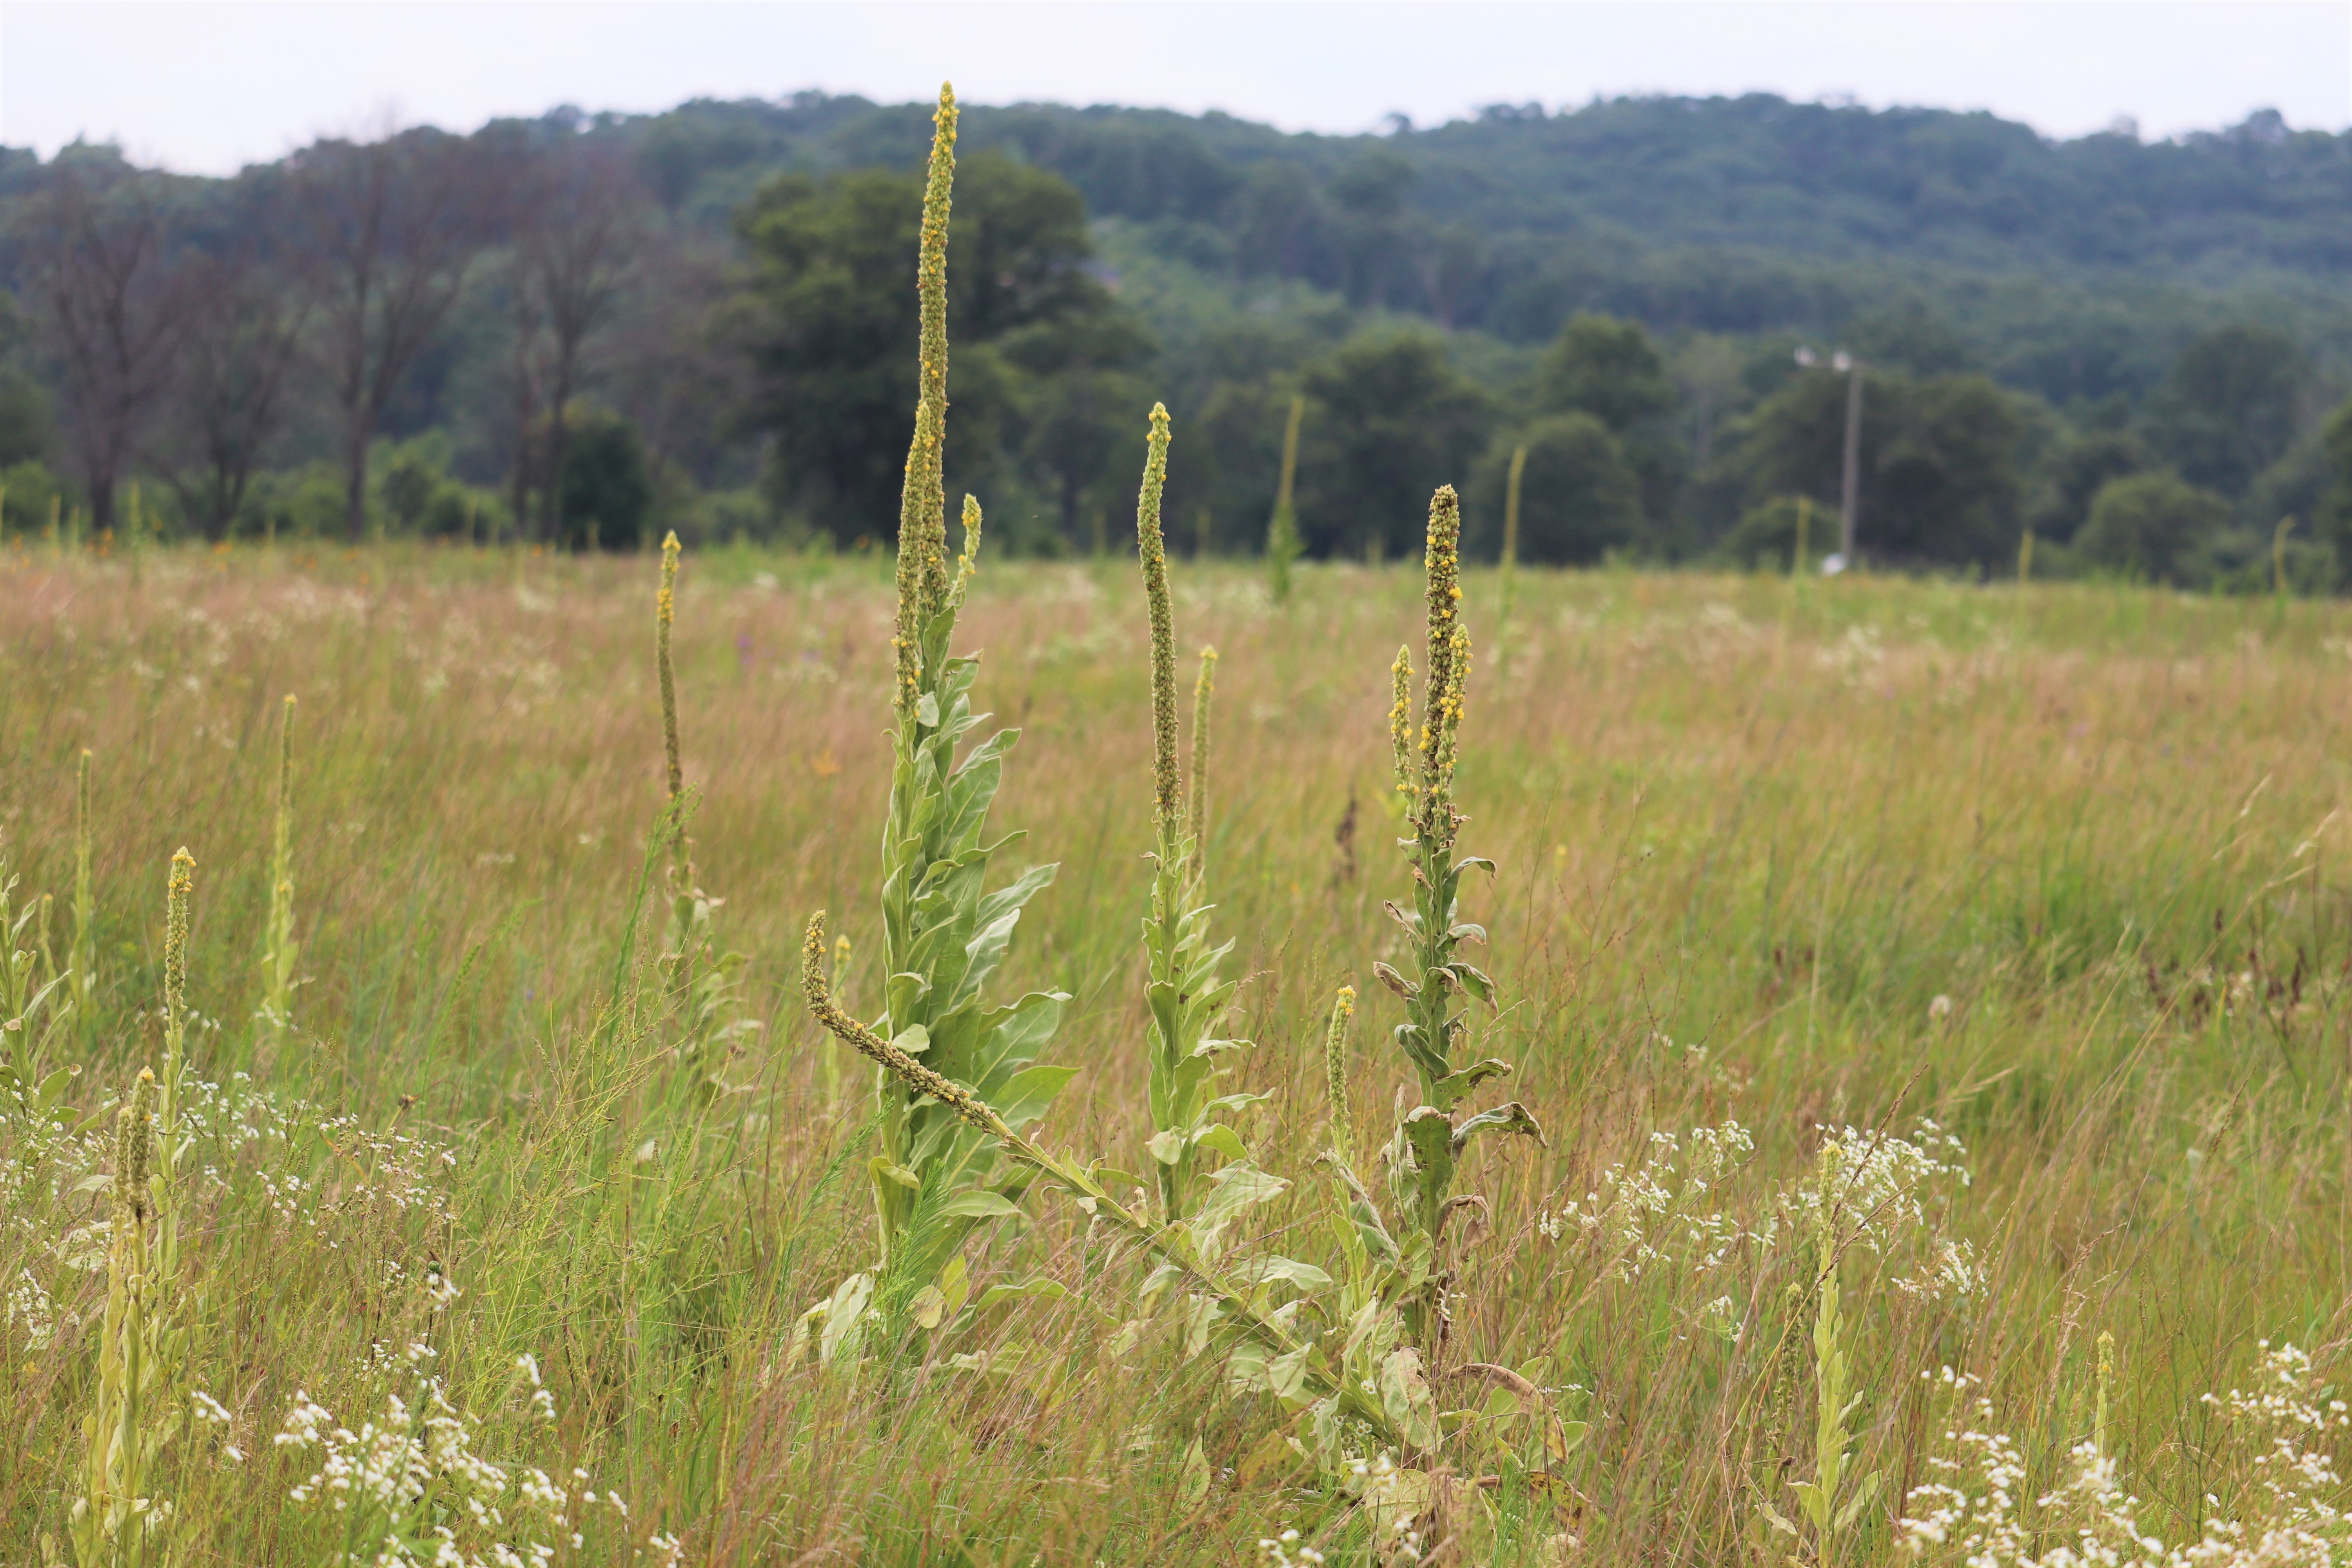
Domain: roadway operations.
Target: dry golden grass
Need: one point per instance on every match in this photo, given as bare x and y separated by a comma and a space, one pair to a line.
2057, 871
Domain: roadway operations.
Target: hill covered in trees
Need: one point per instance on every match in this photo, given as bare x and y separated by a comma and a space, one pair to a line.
587, 325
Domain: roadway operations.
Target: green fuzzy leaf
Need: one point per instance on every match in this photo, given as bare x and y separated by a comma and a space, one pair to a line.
1474, 980
1511, 1117
1285, 1270
977, 1205
1166, 1146
1405, 1397
1031, 1094
1285, 1374
1218, 1137
1479, 861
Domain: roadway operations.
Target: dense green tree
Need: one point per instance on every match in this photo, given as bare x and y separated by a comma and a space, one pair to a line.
830, 330
2157, 525
2085, 463
1389, 420
1607, 368
1578, 498
2233, 404
2334, 509
607, 493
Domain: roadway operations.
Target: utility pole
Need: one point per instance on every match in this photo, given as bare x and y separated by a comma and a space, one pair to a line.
1850, 495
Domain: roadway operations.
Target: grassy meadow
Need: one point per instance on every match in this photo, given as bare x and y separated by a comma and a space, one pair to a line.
2029, 906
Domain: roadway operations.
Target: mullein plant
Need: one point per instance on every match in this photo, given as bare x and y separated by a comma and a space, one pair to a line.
1268, 1347
1830, 1503
119, 1522
1187, 997
1422, 1157
1283, 545
275, 1014
938, 1174
142, 1394
704, 980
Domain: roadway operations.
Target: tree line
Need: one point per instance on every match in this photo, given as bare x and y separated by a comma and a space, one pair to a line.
577, 329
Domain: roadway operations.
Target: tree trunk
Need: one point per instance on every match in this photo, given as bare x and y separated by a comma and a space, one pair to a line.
355, 454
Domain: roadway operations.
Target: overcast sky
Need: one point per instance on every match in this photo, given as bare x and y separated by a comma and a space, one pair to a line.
203, 86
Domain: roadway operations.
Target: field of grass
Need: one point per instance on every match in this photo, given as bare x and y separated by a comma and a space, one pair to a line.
2029, 906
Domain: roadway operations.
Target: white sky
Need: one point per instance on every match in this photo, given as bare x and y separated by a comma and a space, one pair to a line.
206, 86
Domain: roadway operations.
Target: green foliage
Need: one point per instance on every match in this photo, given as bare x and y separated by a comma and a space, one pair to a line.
2232, 405
606, 494
831, 343
1578, 495
29, 496
1606, 368
1392, 419
1939, 474
2156, 523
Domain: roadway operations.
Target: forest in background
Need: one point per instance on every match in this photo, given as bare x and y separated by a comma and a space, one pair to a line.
581, 330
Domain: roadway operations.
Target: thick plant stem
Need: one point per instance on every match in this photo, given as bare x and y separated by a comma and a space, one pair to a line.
1168, 1242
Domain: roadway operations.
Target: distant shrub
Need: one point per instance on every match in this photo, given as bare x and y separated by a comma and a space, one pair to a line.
2156, 523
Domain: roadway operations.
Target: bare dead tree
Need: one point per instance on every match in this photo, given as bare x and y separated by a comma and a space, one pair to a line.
95, 254
391, 225
674, 371
587, 223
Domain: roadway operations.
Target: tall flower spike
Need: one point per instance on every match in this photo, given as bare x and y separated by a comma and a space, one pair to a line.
1448, 718
133, 1144
1444, 563
175, 940
968, 564
1335, 1064
665, 613
1204, 686
922, 508
1400, 724
285, 824
818, 992
1167, 788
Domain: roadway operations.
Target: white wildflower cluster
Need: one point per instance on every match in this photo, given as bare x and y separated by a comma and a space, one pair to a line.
1875, 1188
1656, 1211
54, 1165
1284, 1552
27, 1309
416, 1489
2289, 1514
